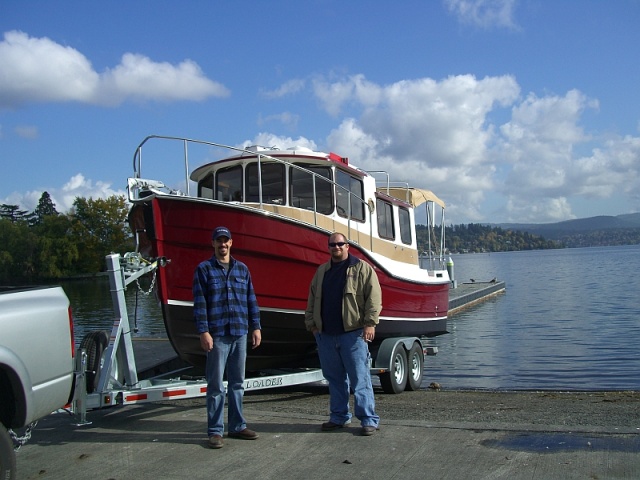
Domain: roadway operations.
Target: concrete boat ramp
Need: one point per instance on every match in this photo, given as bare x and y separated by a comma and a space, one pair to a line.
166, 439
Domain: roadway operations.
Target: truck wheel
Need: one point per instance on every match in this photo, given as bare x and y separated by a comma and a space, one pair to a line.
395, 380
94, 344
7, 456
416, 365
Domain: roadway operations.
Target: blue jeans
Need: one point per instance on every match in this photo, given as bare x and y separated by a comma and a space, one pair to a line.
229, 352
345, 363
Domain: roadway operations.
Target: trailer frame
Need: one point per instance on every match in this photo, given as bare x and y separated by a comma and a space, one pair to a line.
398, 361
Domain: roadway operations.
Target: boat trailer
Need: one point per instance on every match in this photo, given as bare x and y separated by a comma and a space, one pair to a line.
106, 372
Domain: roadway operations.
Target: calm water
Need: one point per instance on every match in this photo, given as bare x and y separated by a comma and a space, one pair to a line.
569, 320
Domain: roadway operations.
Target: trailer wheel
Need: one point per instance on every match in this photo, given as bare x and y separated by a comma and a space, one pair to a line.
395, 380
416, 366
7, 456
94, 343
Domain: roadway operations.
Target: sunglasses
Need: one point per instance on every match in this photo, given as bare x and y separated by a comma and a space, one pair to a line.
337, 244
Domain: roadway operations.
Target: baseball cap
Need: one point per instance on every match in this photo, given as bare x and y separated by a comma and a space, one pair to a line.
221, 232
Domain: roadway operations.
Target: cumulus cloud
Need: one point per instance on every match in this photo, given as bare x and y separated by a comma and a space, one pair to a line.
423, 132
63, 197
279, 142
441, 135
41, 70
484, 13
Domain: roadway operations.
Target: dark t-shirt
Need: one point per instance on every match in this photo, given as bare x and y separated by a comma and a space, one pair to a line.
332, 292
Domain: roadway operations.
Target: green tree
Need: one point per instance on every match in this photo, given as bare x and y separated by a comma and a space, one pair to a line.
99, 227
12, 212
18, 246
57, 252
45, 208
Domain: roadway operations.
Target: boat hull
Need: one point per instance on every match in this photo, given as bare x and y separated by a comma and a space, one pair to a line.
282, 256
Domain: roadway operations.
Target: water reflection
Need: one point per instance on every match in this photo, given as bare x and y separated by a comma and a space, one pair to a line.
93, 308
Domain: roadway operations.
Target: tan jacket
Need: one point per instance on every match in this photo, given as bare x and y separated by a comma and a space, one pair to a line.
361, 301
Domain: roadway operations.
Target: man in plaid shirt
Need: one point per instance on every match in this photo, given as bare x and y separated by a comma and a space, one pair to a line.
225, 309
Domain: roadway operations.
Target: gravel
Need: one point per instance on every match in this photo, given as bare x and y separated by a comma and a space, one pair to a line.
611, 410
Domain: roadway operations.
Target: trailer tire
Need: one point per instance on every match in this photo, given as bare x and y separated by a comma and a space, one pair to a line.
395, 380
415, 358
7, 456
94, 343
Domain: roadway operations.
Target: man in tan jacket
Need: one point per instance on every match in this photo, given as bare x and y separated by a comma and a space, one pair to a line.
342, 312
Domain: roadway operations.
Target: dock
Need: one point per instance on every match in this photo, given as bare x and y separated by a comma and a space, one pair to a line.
465, 295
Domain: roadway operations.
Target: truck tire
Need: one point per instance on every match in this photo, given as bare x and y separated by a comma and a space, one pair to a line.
395, 380
415, 358
7, 456
94, 343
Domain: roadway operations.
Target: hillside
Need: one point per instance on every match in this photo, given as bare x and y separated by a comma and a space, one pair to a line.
582, 232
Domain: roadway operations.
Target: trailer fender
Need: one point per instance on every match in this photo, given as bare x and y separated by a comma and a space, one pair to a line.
384, 357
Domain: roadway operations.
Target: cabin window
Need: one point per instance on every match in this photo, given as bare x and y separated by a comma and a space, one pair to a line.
302, 189
272, 183
205, 186
353, 187
229, 184
384, 212
405, 225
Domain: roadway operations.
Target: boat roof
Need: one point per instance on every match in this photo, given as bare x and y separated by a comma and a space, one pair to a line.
413, 196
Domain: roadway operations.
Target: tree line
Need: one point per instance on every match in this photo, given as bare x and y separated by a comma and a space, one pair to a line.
47, 245
477, 238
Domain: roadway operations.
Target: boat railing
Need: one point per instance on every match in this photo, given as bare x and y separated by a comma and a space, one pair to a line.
137, 170
435, 253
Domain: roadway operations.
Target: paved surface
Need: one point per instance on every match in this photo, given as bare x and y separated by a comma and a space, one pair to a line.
166, 441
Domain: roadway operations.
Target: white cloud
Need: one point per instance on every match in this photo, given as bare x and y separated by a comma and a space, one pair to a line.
27, 131
41, 70
63, 197
484, 13
288, 88
425, 132
137, 77
440, 135
270, 140
285, 118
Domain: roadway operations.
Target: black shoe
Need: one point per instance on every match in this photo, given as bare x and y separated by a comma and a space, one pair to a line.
368, 430
245, 434
215, 441
329, 426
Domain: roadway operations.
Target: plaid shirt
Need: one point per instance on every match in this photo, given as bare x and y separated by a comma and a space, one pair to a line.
224, 303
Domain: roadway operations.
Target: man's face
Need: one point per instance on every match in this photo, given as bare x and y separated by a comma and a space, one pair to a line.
338, 248
222, 246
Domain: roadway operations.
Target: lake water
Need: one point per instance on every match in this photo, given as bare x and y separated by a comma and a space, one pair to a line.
569, 320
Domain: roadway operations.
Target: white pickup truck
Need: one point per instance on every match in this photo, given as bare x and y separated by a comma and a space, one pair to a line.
36, 361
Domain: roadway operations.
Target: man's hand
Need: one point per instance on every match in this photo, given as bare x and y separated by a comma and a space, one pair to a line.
206, 341
368, 333
256, 338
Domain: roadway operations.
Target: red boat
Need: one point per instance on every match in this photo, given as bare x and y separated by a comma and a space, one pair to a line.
281, 206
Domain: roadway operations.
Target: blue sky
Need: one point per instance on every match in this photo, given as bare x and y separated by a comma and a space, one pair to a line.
509, 110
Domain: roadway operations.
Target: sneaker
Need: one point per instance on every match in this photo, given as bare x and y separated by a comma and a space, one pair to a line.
215, 441
245, 434
329, 426
368, 430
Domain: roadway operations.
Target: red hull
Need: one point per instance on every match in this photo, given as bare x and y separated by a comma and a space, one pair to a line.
282, 256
